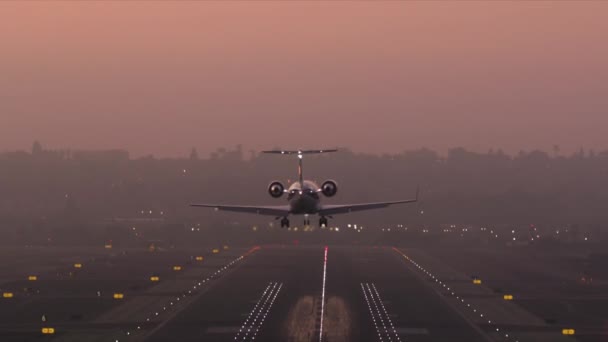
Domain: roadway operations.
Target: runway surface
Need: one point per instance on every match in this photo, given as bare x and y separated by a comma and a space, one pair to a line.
370, 295
270, 293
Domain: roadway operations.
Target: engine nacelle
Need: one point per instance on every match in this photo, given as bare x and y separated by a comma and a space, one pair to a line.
329, 188
276, 189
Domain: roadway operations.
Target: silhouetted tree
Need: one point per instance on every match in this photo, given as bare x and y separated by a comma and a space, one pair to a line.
36, 148
193, 154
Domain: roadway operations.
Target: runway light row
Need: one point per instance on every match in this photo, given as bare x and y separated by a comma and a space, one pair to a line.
250, 330
390, 321
451, 292
266, 313
196, 286
255, 309
369, 307
376, 303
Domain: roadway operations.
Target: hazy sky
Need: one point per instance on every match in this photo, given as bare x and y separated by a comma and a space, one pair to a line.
161, 77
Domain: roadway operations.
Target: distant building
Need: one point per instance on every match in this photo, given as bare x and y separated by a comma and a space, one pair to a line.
101, 155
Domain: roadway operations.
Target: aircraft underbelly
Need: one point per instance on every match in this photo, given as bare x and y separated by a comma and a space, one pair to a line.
304, 205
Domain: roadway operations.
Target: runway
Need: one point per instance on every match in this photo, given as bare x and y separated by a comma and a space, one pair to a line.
270, 293
370, 295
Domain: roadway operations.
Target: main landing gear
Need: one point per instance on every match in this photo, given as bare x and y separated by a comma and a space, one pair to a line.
323, 222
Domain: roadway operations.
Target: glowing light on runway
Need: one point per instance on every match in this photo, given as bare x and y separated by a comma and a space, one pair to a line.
257, 329
385, 312
452, 293
259, 313
371, 311
255, 309
154, 315
323, 295
377, 311
374, 303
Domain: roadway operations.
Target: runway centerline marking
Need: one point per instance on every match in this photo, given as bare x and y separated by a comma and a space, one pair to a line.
323, 295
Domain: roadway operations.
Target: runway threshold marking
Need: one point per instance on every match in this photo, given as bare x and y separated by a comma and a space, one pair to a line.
323, 294
374, 303
259, 313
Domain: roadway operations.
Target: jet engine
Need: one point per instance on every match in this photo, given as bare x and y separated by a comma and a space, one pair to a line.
329, 188
276, 189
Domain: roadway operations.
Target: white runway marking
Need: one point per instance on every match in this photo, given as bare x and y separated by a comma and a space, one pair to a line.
323, 295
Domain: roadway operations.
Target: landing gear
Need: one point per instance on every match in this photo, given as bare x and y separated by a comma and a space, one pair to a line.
284, 222
323, 222
306, 222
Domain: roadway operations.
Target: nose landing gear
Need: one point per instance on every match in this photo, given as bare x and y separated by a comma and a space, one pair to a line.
284, 222
323, 222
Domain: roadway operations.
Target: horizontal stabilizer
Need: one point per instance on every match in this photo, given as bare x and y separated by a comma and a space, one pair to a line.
299, 152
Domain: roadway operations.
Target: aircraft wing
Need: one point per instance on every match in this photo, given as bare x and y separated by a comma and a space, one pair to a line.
329, 210
277, 210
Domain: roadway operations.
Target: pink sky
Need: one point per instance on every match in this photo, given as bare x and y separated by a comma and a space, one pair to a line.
162, 77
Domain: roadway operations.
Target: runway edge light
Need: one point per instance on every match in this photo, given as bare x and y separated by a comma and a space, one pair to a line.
48, 331
568, 331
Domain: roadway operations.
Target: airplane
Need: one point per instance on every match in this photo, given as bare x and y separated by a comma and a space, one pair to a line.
303, 197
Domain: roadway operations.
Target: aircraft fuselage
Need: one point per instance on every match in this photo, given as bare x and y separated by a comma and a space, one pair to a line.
304, 199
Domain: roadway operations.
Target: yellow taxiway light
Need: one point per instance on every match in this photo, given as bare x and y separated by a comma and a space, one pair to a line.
119, 296
477, 281
199, 258
8, 295
508, 297
48, 331
108, 246
154, 278
216, 250
77, 265
568, 331
225, 247
32, 278
177, 268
